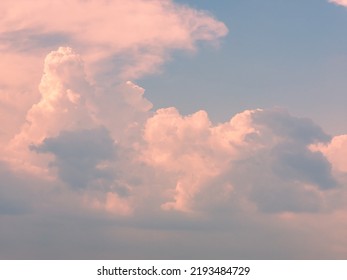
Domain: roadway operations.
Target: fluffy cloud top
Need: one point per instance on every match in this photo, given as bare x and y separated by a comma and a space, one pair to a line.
212, 163
78, 153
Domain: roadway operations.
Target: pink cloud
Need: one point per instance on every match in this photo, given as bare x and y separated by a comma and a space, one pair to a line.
339, 2
109, 203
204, 166
144, 31
255, 153
83, 147
98, 153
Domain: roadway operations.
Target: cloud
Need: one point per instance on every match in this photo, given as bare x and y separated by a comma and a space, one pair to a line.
334, 151
98, 155
89, 170
142, 32
78, 125
211, 164
26, 40
339, 2
69, 101
119, 40
192, 151
78, 153
204, 164
72, 132
12, 201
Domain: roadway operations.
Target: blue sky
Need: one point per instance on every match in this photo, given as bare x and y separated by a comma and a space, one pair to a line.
290, 54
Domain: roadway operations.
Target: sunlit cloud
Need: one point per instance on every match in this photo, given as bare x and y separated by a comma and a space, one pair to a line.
90, 138
81, 142
339, 2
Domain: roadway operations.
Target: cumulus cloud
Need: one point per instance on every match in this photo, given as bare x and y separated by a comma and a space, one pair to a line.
69, 101
192, 151
99, 153
89, 170
76, 130
78, 127
212, 164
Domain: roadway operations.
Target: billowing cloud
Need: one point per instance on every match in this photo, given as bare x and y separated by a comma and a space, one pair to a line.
89, 170
119, 40
212, 164
100, 154
11, 201
78, 153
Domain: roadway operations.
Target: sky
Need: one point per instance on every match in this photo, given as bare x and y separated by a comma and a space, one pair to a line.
161, 129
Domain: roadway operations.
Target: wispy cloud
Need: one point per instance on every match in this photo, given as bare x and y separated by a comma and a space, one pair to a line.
142, 31
339, 2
